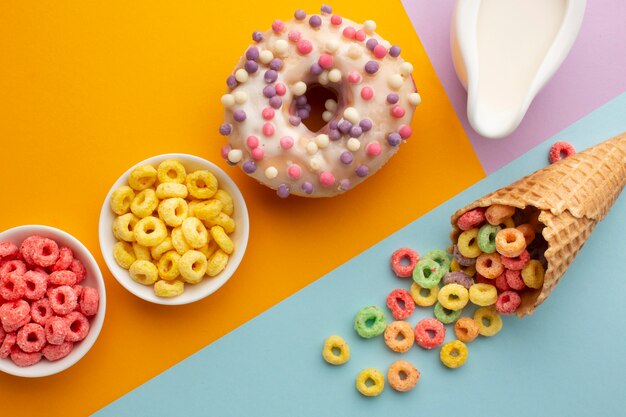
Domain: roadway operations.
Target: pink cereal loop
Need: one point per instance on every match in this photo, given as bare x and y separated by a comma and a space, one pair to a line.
404, 271
560, 150
12, 286
65, 259
14, 314
78, 268
423, 331
8, 250
63, 299
78, 326
40, 311
9, 341
24, 359
508, 302
56, 352
62, 278
36, 285
89, 301
56, 330
31, 338
13, 266
400, 303
45, 253
471, 219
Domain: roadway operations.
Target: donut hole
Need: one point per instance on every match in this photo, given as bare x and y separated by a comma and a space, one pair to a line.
316, 96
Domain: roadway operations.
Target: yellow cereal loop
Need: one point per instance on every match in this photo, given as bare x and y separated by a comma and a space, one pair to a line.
144, 203
173, 211
201, 184
123, 227
171, 190
144, 272
168, 265
221, 238
141, 252
336, 351
227, 202
192, 266
142, 177
158, 250
171, 170
222, 219
468, 243
370, 382
488, 321
121, 199
194, 232
150, 231
453, 296
453, 354
468, 270
533, 274
217, 262
508, 223
483, 294
168, 289
424, 300
179, 242
208, 209
192, 207
123, 254
208, 249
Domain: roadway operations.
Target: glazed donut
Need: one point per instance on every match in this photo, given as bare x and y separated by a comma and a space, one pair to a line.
266, 104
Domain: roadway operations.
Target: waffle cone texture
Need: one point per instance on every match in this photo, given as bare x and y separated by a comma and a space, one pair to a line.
573, 195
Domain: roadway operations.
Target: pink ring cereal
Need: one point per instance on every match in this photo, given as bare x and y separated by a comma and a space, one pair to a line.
12, 266
79, 270
40, 311
399, 336
89, 300
370, 118
514, 279
402, 376
14, 314
8, 250
400, 303
471, 219
517, 263
56, 352
62, 299
62, 278
501, 283
12, 286
35, 285
45, 252
510, 242
497, 213
560, 150
508, 302
489, 265
466, 329
429, 333
7, 344
23, 359
27, 248
56, 330
31, 338
78, 326
400, 255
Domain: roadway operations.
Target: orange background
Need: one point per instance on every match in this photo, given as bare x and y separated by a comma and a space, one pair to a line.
88, 89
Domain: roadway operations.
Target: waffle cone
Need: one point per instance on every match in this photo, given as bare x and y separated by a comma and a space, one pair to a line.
572, 196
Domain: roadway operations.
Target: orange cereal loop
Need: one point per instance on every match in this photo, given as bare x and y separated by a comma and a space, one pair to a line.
510, 243
142, 177
403, 376
171, 170
496, 213
466, 329
121, 199
528, 231
489, 265
399, 336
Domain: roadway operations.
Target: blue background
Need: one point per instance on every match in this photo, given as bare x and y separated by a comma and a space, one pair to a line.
567, 359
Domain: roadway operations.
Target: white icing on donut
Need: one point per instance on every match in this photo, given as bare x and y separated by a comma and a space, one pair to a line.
311, 163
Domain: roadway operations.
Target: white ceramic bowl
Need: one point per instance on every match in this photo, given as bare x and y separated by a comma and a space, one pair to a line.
208, 285
93, 279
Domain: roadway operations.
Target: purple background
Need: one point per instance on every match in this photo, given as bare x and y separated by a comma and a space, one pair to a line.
593, 73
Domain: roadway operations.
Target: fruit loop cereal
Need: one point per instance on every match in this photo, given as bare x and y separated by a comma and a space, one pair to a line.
400, 303
43, 311
488, 321
428, 273
453, 354
560, 150
370, 382
453, 296
402, 376
398, 257
445, 315
429, 333
424, 300
336, 351
466, 329
370, 322
399, 336
172, 227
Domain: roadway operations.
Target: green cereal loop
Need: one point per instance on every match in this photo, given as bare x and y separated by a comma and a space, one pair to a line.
487, 238
444, 315
439, 256
370, 322
428, 273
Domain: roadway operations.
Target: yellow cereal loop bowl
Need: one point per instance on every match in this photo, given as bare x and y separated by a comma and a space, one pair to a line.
129, 202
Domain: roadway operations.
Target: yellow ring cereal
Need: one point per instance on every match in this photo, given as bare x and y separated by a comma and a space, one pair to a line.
144, 203
208, 249
173, 211
207, 210
192, 266
150, 231
121, 199
227, 202
453, 296
221, 238
424, 300
336, 351
223, 220
168, 265
142, 252
178, 241
533, 274
375, 378
123, 254
168, 289
171, 190
144, 272
468, 243
488, 321
158, 250
142, 177
171, 170
201, 184
217, 262
453, 354
483, 294
194, 232
123, 227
